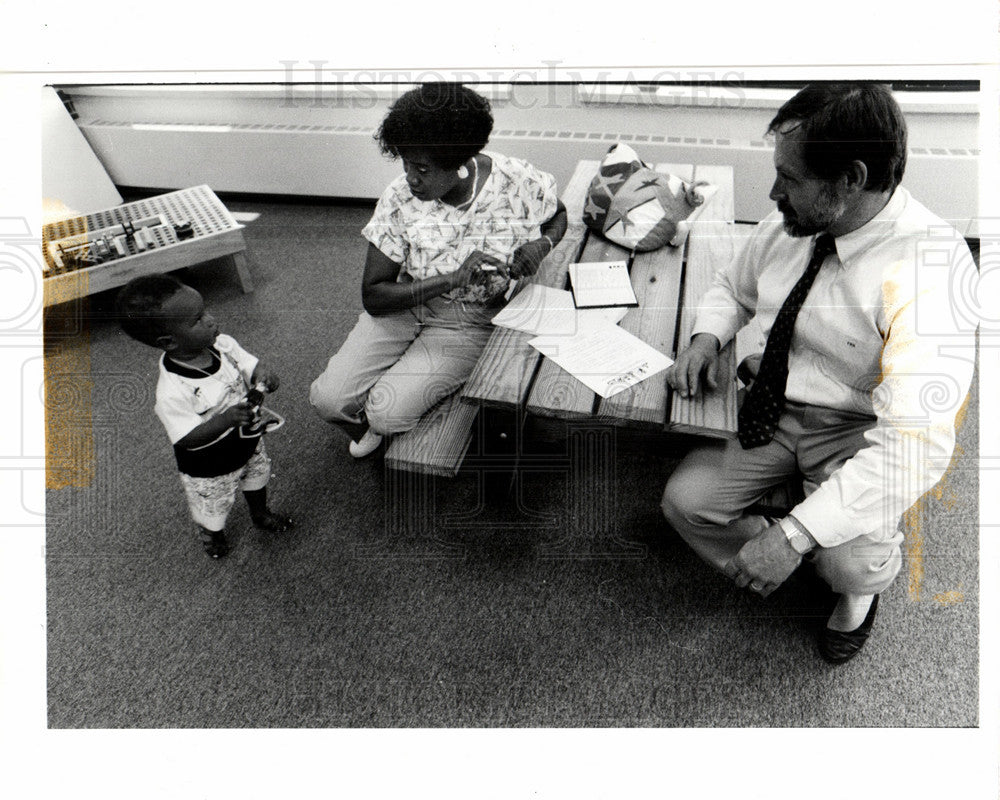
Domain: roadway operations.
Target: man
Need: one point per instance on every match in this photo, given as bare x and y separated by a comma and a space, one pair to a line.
845, 280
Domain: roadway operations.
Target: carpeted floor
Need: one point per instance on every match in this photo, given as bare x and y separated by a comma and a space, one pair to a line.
401, 602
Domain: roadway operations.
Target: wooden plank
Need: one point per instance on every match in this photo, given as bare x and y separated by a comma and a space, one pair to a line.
508, 363
656, 278
712, 413
711, 245
439, 442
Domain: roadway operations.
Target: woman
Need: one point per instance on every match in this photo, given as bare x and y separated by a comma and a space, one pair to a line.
445, 240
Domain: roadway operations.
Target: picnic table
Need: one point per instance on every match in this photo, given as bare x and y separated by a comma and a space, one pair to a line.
514, 379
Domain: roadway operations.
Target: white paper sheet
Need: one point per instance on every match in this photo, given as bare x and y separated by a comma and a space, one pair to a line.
543, 311
605, 358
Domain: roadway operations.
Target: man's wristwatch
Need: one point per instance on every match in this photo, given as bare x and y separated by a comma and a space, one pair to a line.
797, 537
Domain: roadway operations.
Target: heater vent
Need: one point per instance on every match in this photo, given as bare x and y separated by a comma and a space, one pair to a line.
343, 161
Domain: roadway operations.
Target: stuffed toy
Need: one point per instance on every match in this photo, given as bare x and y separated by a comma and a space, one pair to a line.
635, 206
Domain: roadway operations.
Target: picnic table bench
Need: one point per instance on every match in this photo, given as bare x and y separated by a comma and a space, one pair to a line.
513, 377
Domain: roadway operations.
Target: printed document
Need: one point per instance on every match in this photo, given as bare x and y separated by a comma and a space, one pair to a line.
606, 358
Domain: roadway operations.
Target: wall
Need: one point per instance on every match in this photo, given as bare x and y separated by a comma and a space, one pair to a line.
73, 180
316, 140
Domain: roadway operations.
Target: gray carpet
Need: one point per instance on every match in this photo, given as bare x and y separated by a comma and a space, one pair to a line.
401, 602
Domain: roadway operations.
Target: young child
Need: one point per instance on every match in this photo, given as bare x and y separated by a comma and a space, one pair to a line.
201, 399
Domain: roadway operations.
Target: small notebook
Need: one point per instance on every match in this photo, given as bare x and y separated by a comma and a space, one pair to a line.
601, 284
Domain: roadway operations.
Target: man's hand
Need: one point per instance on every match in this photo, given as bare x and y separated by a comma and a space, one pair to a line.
697, 363
764, 563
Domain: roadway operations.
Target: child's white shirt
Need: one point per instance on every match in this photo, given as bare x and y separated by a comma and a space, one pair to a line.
185, 401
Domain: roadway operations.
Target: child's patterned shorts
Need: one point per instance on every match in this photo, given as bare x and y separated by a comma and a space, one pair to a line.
211, 499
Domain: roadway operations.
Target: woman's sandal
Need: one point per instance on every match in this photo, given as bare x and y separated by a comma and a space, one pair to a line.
214, 542
270, 521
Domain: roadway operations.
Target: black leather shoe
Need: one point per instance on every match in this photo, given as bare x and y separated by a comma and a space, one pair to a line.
840, 646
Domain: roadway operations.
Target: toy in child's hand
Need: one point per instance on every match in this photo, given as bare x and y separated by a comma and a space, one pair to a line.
264, 420
637, 207
256, 395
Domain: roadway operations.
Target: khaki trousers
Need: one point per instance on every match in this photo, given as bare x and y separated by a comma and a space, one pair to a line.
706, 497
393, 368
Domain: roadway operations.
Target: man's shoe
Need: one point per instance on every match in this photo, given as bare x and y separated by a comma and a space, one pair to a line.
840, 646
366, 445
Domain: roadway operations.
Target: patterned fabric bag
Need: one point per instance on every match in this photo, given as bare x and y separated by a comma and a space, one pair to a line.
634, 206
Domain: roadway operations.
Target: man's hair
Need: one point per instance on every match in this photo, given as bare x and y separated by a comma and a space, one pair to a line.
448, 121
138, 303
844, 122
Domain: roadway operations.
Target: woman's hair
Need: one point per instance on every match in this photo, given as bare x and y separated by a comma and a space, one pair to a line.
138, 303
844, 122
448, 121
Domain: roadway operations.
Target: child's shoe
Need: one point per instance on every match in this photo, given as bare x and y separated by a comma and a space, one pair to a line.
214, 542
270, 521
367, 445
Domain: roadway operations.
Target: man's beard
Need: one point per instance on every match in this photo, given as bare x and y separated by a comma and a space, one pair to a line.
827, 210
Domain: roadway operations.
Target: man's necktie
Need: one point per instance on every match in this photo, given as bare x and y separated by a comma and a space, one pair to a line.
758, 418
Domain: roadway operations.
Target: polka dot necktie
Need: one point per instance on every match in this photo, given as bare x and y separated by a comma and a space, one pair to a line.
759, 415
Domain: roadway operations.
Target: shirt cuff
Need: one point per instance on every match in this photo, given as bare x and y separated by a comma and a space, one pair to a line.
720, 329
825, 522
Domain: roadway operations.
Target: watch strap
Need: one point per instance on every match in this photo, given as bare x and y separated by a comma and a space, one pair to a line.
797, 535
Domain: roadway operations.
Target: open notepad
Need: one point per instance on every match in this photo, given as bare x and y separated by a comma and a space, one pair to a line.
601, 284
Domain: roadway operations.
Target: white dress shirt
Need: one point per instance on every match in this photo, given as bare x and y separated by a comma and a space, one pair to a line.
879, 334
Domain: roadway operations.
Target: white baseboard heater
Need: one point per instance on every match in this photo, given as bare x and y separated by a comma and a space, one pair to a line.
343, 161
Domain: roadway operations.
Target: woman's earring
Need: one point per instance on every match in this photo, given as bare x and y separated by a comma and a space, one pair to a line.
463, 172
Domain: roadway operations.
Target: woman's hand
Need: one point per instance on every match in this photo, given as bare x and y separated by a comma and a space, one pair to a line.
473, 267
528, 257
